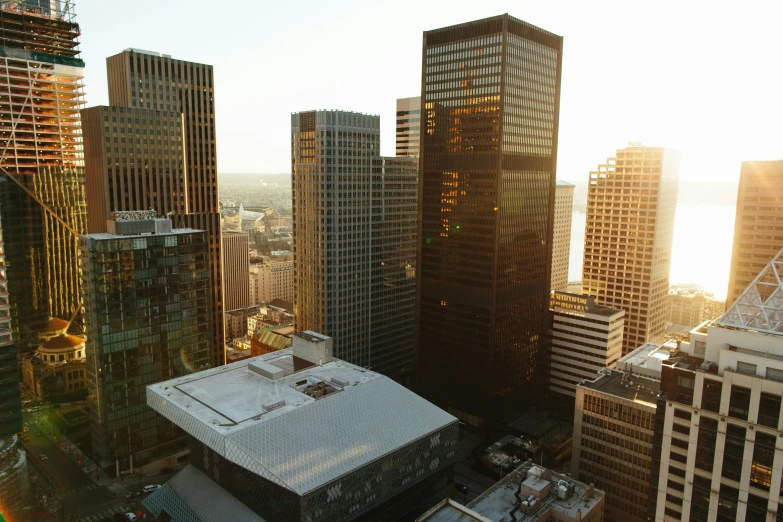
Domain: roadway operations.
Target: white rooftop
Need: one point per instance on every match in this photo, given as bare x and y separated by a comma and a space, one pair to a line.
648, 356
760, 306
255, 413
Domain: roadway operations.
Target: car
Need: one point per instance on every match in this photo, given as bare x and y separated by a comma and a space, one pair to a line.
25, 429
131, 517
26, 439
119, 517
43, 457
462, 488
150, 488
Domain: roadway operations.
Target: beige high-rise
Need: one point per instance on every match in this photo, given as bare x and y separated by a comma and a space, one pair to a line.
561, 237
631, 203
408, 126
236, 270
758, 229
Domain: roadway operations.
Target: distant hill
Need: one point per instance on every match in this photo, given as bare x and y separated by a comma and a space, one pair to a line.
253, 179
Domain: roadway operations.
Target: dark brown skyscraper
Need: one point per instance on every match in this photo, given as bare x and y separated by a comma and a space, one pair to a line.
490, 97
156, 161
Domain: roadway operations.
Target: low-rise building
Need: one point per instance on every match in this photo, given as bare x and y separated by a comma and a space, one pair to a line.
57, 368
271, 280
585, 337
322, 440
531, 494
272, 339
692, 308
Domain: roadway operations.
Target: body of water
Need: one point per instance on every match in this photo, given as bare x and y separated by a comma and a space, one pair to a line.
701, 250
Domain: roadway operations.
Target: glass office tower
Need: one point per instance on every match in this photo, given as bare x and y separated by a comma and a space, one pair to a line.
354, 217
42, 195
147, 308
490, 91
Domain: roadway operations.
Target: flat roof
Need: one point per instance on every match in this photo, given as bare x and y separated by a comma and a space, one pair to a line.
263, 414
500, 500
649, 356
630, 387
174, 231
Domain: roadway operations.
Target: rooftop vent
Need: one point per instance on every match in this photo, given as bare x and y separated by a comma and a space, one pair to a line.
265, 369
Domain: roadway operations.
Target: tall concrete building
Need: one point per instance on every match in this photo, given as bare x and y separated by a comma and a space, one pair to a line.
354, 239
236, 270
758, 227
719, 426
408, 126
490, 96
146, 168
561, 237
585, 338
147, 306
42, 187
631, 203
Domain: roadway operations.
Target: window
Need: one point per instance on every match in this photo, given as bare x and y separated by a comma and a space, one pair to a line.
746, 368
733, 452
705, 445
769, 410
739, 404
763, 455
757, 509
727, 503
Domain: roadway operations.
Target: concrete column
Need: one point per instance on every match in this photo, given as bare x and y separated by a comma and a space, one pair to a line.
755, 400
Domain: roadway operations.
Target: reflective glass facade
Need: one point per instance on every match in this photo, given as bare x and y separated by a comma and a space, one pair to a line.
145, 80
147, 309
42, 195
491, 92
10, 400
354, 239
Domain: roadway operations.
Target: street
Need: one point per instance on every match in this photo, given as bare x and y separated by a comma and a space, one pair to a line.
79, 497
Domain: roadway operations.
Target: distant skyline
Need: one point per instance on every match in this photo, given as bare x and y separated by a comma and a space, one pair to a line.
689, 75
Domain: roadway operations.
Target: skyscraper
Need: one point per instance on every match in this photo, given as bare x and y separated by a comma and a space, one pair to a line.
408, 126
631, 202
146, 80
561, 240
147, 305
42, 195
354, 239
758, 228
491, 91
236, 270
718, 429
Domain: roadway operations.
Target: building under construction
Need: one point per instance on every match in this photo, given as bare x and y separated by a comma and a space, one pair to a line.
42, 193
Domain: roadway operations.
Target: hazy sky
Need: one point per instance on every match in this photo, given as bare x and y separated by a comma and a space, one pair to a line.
704, 77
